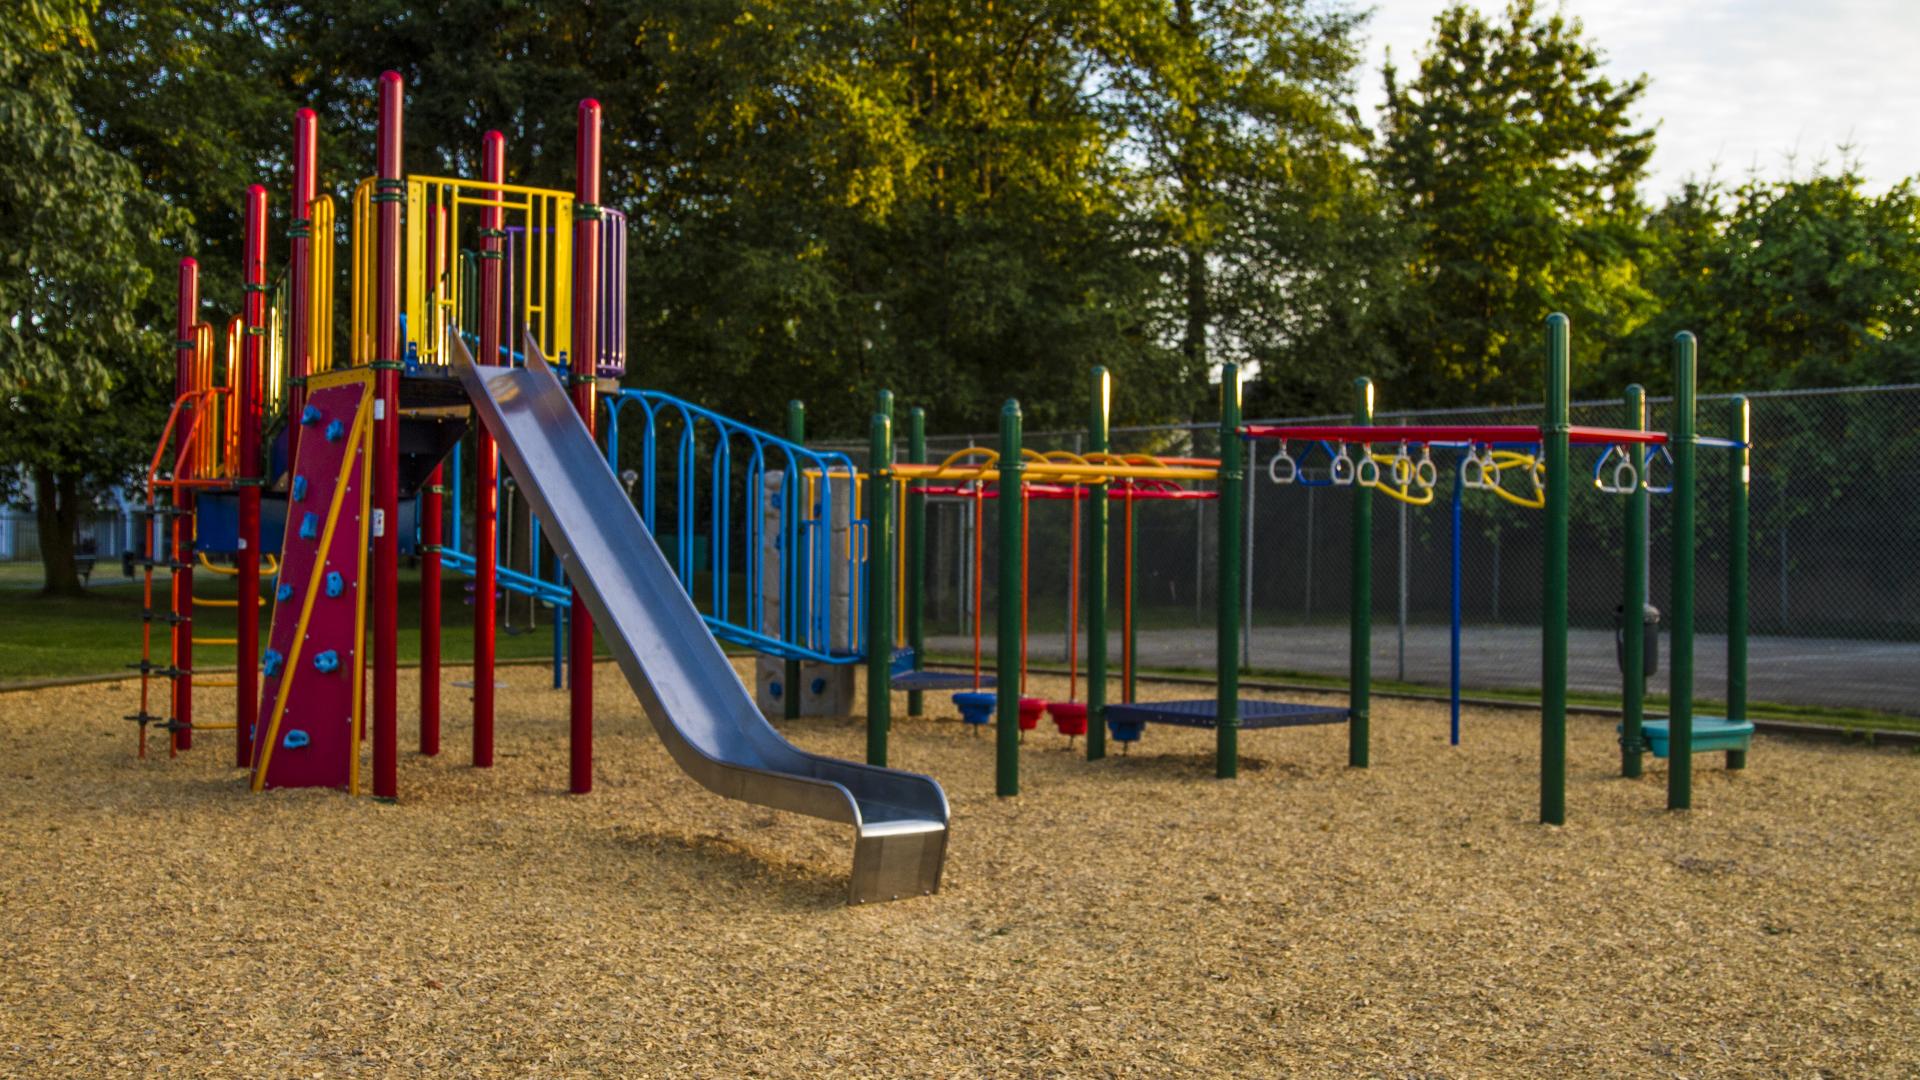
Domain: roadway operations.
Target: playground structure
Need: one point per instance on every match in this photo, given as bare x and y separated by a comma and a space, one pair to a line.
430, 282
317, 475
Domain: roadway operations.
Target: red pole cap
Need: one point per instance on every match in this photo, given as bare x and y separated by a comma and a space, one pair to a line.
392, 98
586, 163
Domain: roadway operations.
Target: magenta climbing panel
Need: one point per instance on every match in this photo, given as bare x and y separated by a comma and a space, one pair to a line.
311, 675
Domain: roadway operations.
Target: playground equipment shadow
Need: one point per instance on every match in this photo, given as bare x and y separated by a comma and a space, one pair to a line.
1125, 917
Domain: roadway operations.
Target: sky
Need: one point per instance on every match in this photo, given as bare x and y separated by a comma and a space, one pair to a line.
1773, 86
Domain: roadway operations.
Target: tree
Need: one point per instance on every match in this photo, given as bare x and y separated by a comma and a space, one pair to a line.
1517, 165
1259, 219
1789, 284
75, 363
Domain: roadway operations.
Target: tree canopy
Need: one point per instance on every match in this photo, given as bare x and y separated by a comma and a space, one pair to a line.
961, 201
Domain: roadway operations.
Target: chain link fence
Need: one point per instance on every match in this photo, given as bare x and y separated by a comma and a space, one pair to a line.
1834, 593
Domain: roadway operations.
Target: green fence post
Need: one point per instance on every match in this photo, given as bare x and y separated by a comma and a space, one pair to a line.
795, 559
1007, 647
879, 588
1233, 477
1360, 602
1739, 465
1096, 589
1553, 604
916, 556
1633, 600
1680, 441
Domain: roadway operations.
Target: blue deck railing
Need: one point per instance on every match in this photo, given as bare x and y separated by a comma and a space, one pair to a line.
720, 466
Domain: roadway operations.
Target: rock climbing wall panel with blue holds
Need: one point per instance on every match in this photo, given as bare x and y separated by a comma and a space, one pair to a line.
312, 691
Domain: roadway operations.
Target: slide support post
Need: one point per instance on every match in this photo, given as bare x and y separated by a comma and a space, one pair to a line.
583, 371
486, 459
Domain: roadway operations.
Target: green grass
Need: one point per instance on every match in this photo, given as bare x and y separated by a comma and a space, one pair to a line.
45, 637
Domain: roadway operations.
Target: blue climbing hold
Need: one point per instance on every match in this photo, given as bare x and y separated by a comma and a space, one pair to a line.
299, 488
294, 740
283, 594
310, 415
335, 583
327, 662
336, 431
774, 688
310, 526
270, 663
818, 686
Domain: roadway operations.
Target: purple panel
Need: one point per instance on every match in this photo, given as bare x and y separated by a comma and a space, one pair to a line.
312, 743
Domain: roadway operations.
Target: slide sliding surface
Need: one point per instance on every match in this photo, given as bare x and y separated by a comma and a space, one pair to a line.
704, 714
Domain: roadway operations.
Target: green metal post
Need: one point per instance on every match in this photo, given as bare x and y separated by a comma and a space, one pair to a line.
1096, 589
796, 561
1553, 591
916, 555
879, 589
1739, 465
1633, 602
1360, 604
1007, 645
1233, 477
1680, 671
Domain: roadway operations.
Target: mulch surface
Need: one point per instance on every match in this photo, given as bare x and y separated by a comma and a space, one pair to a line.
1126, 917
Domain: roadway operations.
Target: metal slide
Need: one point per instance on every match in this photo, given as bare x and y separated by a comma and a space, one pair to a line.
705, 715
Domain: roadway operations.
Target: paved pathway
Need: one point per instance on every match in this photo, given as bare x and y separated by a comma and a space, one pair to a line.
1788, 670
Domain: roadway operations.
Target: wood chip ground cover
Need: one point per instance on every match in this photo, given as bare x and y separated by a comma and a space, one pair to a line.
1129, 917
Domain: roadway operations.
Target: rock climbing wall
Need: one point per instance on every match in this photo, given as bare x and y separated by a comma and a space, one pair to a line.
311, 675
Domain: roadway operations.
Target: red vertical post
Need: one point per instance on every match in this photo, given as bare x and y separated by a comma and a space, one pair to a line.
247, 475
178, 526
586, 297
299, 232
486, 458
388, 196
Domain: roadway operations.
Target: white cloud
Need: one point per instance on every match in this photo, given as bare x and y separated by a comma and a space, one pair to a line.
1772, 85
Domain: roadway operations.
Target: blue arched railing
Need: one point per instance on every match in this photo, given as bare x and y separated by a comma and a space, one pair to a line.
720, 465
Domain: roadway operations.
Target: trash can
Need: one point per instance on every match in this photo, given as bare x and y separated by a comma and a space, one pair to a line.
1650, 644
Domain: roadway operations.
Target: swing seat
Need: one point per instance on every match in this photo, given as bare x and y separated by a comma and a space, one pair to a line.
976, 708
1030, 712
1069, 716
1709, 733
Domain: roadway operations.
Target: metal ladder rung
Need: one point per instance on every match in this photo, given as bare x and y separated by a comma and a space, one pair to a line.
200, 684
216, 641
